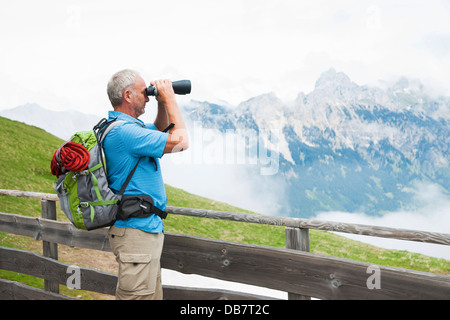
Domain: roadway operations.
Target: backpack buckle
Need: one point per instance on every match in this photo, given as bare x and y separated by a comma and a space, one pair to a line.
83, 205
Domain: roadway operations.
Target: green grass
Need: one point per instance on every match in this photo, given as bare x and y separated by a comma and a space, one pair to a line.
25, 155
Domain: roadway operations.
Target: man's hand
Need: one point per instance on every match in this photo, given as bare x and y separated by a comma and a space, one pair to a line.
168, 112
166, 94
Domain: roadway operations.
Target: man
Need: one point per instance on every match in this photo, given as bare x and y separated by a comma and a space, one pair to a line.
137, 242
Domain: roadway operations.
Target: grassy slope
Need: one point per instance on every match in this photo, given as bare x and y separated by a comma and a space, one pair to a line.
25, 155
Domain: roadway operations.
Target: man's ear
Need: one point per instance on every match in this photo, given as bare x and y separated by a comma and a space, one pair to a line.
128, 95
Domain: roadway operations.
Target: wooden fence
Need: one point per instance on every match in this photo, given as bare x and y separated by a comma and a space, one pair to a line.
292, 269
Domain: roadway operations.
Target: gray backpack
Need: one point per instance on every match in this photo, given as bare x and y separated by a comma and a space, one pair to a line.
85, 196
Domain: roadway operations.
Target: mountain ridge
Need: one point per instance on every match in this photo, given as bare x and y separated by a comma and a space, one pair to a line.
61, 124
348, 147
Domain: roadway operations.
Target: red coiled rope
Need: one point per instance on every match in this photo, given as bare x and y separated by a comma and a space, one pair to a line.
70, 156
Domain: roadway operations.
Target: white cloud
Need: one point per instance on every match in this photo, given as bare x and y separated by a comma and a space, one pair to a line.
433, 215
437, 44
219, 167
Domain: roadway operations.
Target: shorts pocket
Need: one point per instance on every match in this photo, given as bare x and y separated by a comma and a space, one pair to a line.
135, 273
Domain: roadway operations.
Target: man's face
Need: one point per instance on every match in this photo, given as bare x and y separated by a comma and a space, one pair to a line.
140, 97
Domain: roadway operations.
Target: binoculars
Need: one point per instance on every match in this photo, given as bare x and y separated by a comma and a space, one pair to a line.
179, 87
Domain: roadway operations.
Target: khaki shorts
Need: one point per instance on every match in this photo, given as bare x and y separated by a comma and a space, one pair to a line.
138, 254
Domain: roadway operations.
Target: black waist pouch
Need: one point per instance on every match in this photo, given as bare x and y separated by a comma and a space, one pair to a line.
138, 206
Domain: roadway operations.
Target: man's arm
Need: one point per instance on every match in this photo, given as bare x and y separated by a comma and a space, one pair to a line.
168, 112
162, 118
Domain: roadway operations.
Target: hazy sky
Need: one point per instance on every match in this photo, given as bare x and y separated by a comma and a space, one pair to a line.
60, 54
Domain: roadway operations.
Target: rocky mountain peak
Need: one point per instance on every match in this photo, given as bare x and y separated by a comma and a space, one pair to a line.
350, 147
332, 79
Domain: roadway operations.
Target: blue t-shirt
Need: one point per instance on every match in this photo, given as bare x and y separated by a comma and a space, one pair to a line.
124, 145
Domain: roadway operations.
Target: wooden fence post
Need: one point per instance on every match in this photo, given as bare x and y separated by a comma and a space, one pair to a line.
297, 239
49, 249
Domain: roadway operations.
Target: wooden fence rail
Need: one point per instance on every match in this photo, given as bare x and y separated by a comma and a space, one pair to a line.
367, 230
300, 273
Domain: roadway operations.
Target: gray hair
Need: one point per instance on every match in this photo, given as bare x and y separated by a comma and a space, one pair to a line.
118, 83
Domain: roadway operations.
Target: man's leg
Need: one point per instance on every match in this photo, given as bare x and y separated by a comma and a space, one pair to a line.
138, 254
